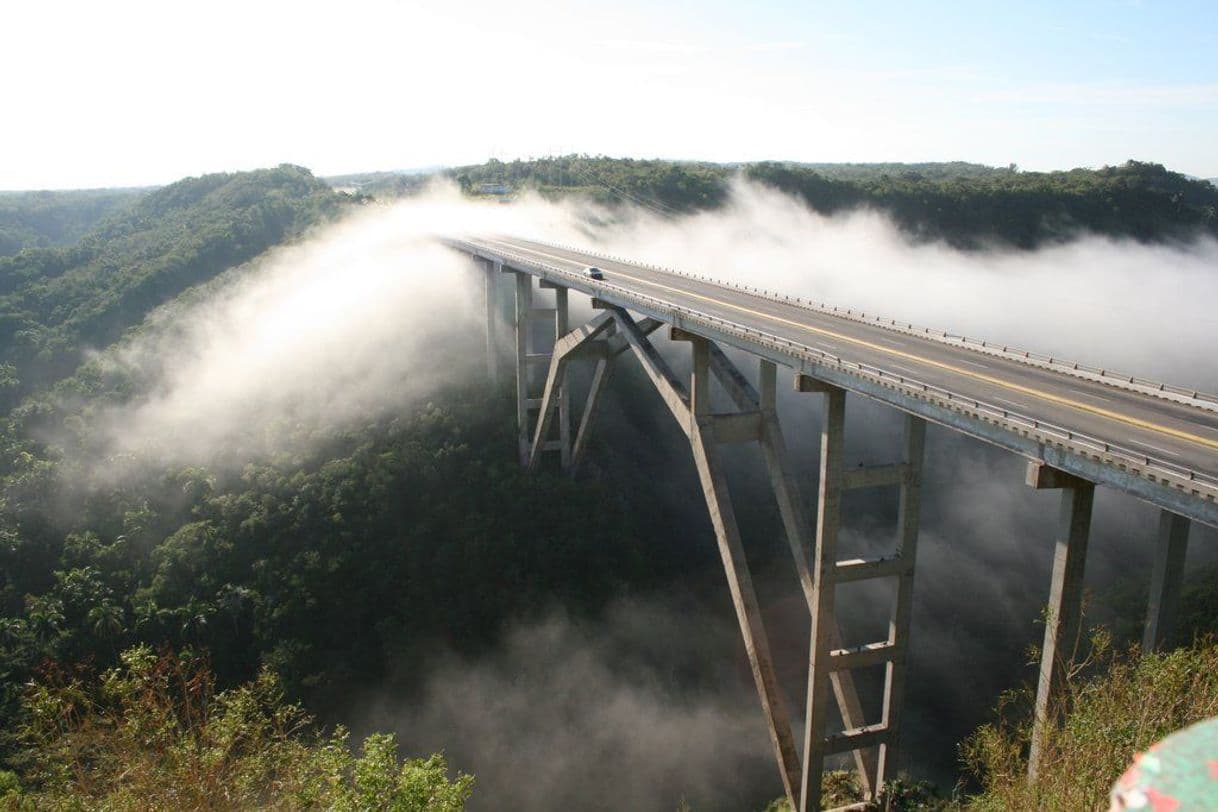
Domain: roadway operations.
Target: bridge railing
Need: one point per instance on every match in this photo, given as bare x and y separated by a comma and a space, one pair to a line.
1154, 468
1147, 386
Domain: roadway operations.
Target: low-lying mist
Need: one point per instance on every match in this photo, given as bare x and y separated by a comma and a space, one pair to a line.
1147, 309
370, 315
344, 323
635, 711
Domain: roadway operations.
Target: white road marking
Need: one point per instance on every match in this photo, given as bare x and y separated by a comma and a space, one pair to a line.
913, 372
1089, 394
1007, 402
973, 364
1148, 445
892, 342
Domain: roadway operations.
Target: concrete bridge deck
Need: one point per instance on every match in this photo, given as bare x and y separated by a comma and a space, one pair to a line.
1160, 446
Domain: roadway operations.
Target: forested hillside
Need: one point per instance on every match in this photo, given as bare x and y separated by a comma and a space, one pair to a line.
57, 302
966, 205
51, 219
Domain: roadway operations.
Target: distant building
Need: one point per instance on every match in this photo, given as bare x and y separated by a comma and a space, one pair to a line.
493, 189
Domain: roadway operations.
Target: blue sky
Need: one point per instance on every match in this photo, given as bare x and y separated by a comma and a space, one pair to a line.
140, 92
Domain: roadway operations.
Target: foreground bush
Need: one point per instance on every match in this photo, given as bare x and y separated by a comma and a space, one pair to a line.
1093, 735
153, 734
842, 788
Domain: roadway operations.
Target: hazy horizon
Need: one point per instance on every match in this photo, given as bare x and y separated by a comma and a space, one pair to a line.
437, 168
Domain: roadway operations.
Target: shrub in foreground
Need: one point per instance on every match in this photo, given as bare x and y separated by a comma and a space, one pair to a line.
154, 734
1125, 706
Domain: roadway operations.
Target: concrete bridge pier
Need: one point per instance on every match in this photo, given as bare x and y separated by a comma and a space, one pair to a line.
524, 343
491, 299
1064, 613
528, 358
600, 341
1166, 580
829, 658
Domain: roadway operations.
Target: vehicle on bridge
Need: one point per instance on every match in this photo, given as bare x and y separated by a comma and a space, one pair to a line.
594, 272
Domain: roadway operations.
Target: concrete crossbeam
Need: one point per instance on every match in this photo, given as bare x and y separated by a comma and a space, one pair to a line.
737, 427
1045, 477
855, 738
865, 656
875, 476
861, 569
806, 383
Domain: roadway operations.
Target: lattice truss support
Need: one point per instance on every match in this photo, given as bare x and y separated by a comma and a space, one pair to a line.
544, 426
614, 332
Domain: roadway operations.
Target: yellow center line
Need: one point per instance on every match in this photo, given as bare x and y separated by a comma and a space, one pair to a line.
1027, 390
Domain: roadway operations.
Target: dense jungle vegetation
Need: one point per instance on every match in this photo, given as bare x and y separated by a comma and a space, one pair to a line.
51, 219
218, 608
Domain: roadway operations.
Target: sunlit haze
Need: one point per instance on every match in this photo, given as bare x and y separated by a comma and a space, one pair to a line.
137, 93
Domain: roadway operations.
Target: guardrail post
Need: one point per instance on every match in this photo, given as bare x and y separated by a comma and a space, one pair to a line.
1064, 613
1165, 580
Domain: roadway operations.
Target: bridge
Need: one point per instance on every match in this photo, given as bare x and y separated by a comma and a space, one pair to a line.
1078, 427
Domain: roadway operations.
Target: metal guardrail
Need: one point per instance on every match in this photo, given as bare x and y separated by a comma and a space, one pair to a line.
1150, 467
1176, 394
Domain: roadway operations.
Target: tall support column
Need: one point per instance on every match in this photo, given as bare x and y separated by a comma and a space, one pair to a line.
909, 513
561, 326
600, 380
735, 565
524, 331
1065, 594
491, 288
1166, 579
799, 538
828, 522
